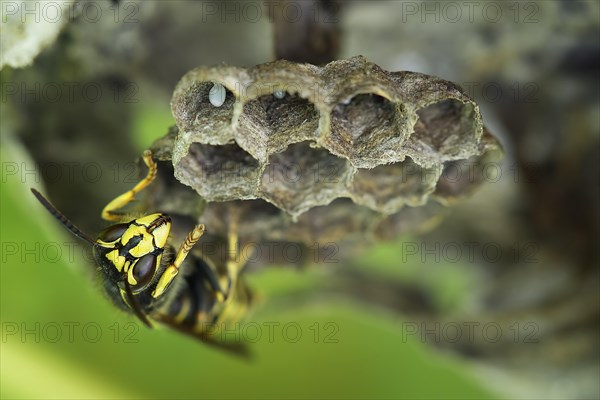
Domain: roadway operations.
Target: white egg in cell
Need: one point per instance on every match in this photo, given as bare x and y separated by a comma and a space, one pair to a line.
279, 94
217, 94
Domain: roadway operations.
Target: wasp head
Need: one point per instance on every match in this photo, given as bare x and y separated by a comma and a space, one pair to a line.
129, 254
132, 251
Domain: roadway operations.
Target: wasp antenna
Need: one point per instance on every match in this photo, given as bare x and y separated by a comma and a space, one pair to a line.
62, 218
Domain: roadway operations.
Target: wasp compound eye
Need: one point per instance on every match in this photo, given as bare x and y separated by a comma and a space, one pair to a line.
112, 233
144, 269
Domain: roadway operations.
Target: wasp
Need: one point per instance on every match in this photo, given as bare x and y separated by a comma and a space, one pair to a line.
144, 275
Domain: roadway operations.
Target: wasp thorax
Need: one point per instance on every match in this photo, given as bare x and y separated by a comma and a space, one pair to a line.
135, 248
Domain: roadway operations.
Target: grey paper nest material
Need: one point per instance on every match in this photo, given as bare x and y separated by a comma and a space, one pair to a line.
309, 140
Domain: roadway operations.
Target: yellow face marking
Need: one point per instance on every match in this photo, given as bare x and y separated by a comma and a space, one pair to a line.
152, 231
107, 244
134, 230
158, 236
117, 260
158, 261
161, 234
148, 219
130, 278
144, 247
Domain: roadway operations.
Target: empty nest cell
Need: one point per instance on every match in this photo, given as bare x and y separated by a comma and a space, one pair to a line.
302, 177
460, 178
330, 223
387, 188
271, 122
259, 220
447, 127
218, 173
365, 128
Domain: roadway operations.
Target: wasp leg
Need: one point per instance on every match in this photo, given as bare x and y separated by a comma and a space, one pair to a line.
235, 304
236, 261
173, 269
109, 212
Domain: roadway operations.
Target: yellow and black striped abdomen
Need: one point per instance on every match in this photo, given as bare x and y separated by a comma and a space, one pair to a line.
198, 307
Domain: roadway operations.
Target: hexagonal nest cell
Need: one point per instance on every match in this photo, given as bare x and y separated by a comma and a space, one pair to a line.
302, 177
366, 127
219, 173
261, 219
460, 178
387, 188
444, 130
273, 123
341, 218
194, 111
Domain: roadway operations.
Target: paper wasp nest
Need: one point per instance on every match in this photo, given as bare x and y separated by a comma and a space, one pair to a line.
325, 152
